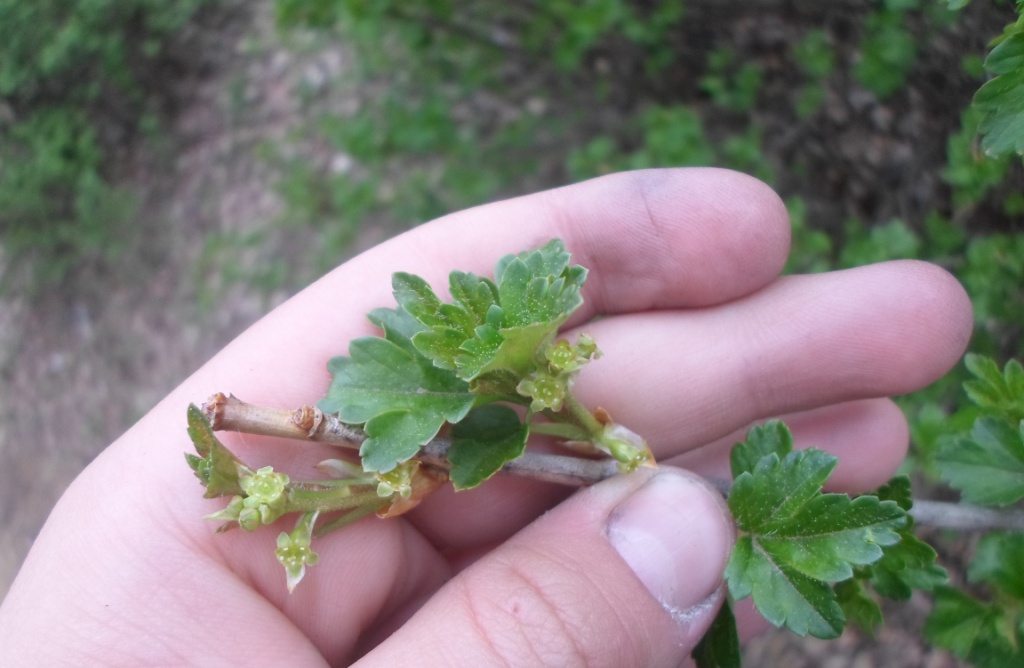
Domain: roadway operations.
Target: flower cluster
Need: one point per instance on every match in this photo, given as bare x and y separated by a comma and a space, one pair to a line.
550, 383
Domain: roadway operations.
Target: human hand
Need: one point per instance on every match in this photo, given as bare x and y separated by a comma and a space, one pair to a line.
700, 338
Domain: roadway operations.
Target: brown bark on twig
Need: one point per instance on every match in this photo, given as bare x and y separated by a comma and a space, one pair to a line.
308, 423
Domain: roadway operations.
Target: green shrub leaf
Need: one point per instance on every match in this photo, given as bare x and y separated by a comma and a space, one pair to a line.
796, 540
483, 442
720, 646
988, 466
999, 562
858, 605
984, 634
397, 395
405, 386
1001, 393
493, 327
218, 469
771, 437
910, 563
1001, 99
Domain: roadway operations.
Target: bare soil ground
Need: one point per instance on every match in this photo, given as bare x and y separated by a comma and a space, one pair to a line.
79, 366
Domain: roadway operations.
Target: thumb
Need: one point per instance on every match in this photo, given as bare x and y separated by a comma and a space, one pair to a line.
625, 573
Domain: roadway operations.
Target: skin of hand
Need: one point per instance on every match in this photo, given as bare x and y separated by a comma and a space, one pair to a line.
701, 338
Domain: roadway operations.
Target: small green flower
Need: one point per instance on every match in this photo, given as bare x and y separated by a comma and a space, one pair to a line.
293, 550
397, 481
587, 347
566, 357
561, 355
265, 501
546, 391
265, 486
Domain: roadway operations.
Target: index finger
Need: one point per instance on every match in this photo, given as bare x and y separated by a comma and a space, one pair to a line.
655, 239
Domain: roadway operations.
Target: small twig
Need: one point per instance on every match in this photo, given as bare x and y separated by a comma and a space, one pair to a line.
308, 423
964, 517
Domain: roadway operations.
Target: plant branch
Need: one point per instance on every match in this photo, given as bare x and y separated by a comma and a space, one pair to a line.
309, 423
965, 517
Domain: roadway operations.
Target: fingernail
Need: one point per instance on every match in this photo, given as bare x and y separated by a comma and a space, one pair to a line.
674, 535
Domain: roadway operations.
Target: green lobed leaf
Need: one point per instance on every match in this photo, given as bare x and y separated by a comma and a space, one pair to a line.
955, 622
984, 634
720, 646
858, 606
501, 383
988, 466
898, 490
906, 566
512, 349
483, 442
539, 286
771, 437
1001, 392
493, 327
404, 387
216, 467
398, 326
999, 562
1001, 99
549, 260
445, 326
796, 540
474, 293
399, 397
782, 595
909, 564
